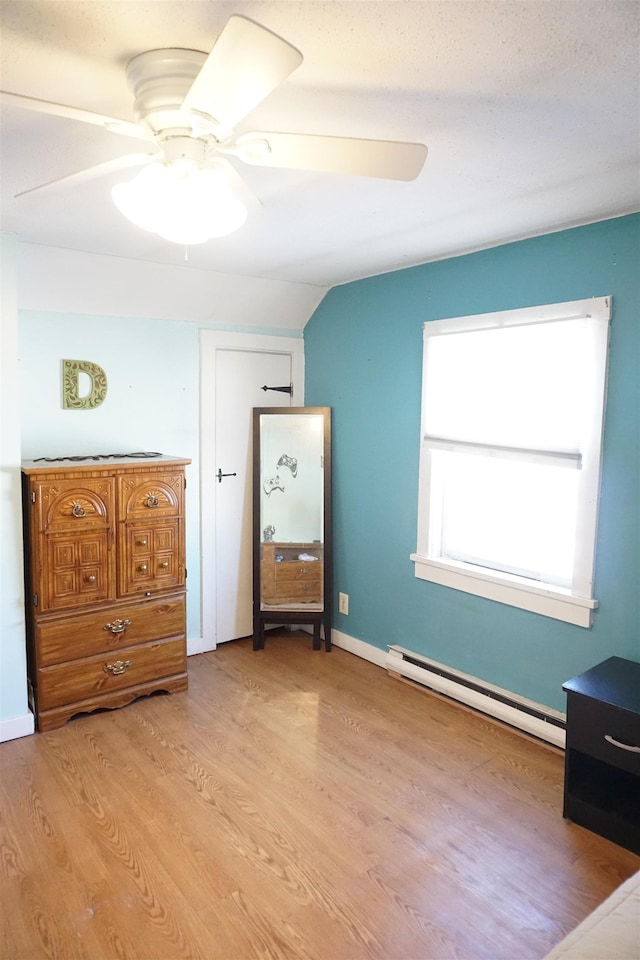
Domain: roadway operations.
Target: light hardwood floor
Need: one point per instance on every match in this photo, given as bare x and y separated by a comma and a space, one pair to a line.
292, 804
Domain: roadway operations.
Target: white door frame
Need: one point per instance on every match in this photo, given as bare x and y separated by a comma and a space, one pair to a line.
211, 342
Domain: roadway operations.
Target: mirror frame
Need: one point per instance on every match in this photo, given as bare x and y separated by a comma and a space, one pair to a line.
319, 619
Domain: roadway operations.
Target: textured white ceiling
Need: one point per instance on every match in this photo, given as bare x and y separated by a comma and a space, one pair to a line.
530, 111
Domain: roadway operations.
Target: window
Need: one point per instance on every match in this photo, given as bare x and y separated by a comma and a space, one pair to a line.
512, 417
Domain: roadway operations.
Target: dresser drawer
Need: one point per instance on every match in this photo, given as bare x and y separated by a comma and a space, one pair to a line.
107, 630
593, 725
149, 497
79, 680
298, 571
72, 504
297, 591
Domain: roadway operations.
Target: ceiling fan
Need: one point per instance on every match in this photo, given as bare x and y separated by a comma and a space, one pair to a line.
187, 104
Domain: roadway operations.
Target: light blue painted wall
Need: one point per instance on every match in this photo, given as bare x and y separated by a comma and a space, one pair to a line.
152, 400
363, 350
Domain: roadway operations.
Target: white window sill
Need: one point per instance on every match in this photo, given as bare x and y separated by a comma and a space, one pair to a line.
547, 600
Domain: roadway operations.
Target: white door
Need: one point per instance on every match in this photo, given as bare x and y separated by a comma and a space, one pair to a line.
239, 377
234, 368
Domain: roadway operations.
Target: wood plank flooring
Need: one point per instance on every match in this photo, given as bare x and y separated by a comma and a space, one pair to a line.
292, 804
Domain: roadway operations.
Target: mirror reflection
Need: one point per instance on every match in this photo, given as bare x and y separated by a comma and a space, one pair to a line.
292, 509
292, 519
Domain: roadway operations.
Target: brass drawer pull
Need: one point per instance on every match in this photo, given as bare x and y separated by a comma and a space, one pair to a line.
164, 565
151, 501
305, 586
118, 626
91, 579
143, 568
78, 511
621, 746
142, 543
117, 668
304, 570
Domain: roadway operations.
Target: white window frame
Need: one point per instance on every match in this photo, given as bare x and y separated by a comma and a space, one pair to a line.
573, 604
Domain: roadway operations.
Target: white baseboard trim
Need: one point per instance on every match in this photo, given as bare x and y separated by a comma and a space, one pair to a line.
490, 707
510, 708
361, 649
17, 727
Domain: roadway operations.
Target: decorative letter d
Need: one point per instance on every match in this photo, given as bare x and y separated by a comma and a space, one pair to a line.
71, 399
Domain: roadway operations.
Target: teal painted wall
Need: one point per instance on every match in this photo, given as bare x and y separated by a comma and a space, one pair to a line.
363, 349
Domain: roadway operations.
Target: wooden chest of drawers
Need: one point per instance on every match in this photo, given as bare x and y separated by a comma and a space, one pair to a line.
105, 583
285, 578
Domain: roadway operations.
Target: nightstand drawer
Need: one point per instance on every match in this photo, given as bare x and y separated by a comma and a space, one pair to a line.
603, 731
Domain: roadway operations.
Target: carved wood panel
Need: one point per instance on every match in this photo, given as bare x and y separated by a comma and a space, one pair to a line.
77, 569
151, 557
75, 529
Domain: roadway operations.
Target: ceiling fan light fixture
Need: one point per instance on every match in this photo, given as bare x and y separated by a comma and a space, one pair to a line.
181, 203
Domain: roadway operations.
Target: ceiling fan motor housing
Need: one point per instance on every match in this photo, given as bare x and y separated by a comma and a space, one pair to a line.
184, 152
160, 80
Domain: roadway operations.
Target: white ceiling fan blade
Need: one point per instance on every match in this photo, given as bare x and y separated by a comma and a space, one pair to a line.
389, 159
112, 124
100, 170
246, 64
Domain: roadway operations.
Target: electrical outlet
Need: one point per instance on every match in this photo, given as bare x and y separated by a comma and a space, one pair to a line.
343, 603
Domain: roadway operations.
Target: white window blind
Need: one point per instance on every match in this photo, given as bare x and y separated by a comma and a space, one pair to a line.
511, 435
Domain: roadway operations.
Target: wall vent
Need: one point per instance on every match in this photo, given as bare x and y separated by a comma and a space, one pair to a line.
527, 715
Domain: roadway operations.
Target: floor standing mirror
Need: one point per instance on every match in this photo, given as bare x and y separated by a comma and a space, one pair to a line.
292, 559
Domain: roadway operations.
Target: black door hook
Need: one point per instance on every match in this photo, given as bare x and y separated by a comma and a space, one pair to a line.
220, 474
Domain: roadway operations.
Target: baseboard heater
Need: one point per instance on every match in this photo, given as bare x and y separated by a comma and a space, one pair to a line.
527, 715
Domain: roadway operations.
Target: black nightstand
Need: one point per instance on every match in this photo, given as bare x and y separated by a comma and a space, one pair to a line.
602, 760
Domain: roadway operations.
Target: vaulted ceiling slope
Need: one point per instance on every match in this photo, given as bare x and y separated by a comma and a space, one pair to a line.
530, 111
